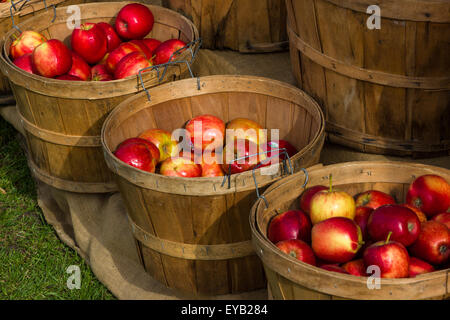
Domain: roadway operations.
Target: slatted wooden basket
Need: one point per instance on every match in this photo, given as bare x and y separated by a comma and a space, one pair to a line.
22, 10
63, 119
241, 25
192, 234
291, 279
386, 90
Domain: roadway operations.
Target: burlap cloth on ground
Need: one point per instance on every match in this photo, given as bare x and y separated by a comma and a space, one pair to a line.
95, 225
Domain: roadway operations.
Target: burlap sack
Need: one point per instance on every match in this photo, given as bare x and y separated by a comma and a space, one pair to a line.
95, 225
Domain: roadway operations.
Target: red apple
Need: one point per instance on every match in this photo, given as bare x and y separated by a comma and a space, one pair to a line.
293, 224
355, 267
361, 218
336, 239
100, 73
246, 151
25, 62
113, 40
206, 130
152, 44
26, 43
162, 140
430, 193
167, 49
134, 21
443, 217
79, 68
247, 129
68, 77
211, 168
140, 43
180, 167
151, 147
373, 199
433, 244
422, 217
305, 198
327, 204
280, 144
390, 256
401, 221
52, 58
131, 64
115, 56
333, 268
90, 42
298, 249
417, 266
137, 155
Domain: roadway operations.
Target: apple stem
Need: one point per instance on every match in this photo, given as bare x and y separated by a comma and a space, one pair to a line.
331, 182
388, 237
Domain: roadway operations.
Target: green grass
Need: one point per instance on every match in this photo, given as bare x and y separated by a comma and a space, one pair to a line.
33, 261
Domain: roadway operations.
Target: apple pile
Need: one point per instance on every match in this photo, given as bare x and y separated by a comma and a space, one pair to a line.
337, 232
205, 135
99, 51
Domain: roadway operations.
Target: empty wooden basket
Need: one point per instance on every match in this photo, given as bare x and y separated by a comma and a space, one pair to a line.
383, 90
289, 278
192, 234
63, 119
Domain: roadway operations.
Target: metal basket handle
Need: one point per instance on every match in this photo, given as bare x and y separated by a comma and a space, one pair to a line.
14, 5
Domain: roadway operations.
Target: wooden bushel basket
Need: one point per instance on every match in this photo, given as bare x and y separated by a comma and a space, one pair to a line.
241, 25
21, 11
386, 90
290, 279
63, 119
192, 234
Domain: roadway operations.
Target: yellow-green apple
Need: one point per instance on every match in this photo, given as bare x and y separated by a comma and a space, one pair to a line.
131, 64
430, 193
26, 43
333, 268
165, 52
355, 267
163, 141
392, 218
134, 21
113, 40
25, 62
433, 243
292, 224
180, 167
151, 43
118, 54
241, 155
79, 68
298, 249
373, 199
52, 58
390, 256
99, 72
327, 204
336, 239
247, 129
361, 218
443, 217
305, 198
137, 155
422, 217
90, 42
205, 130
68, 77
417, 266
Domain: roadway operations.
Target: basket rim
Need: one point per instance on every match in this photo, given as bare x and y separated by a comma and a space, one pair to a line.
262, 243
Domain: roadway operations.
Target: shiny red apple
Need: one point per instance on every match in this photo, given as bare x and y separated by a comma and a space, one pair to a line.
168, 50
373, 199
26, 43
211, 167
52, 58
355, 267
113, 40
137, 155
115, 56
443, 217
430, 193
206, 130
417, 266
433, 243
180, 167
298, 249
305, 198
336, 239
79, 68
241, 155
151, 43
25, 62
162, 140
68, 77
134, 21
361, 218
99, 72
90, 42
422, 217
293, 224
244, 128
150, 146
280, 144
140, 43
131, 64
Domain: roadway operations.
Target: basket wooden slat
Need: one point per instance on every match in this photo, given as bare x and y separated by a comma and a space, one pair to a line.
289, 278
192, 234
63, 119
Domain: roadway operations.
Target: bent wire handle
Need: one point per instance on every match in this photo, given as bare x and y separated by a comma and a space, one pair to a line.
188, 63
14, 4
